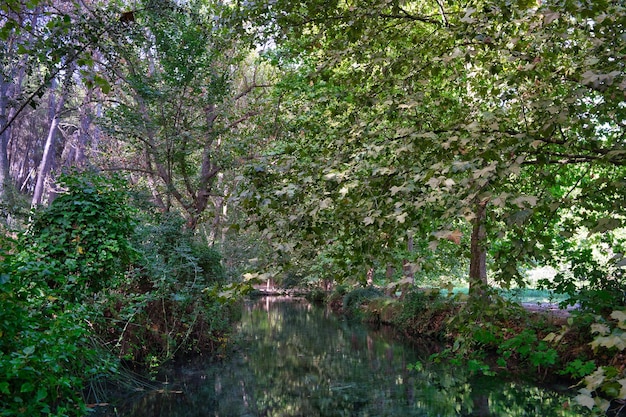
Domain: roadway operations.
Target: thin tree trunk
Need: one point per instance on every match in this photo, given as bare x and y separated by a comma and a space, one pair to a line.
407, 267
86, 116
5, 194
48, 153
46, 163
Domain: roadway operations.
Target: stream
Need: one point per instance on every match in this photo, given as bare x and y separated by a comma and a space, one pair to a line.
296, 359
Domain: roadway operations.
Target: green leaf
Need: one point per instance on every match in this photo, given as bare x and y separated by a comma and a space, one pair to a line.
104, 85
41, 394
4, 387
27, 387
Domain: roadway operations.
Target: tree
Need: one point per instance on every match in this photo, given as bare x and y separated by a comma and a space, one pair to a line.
422, 116
184, 92
46, 42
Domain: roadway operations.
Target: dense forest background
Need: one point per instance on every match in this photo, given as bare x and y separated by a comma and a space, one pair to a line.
157, 157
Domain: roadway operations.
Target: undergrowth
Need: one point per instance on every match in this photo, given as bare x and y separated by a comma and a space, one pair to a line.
93, 285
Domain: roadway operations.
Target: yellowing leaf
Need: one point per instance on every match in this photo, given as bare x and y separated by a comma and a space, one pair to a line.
455, 236
401, 218
395, 190
585, 400
622, 392
325, 203
250, 276
593, 381
550, 337
433, 182
449, 182
601, 329
620, 316
468, 16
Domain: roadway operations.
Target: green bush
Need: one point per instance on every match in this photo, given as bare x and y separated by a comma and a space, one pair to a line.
169, 305
47, 357
172, 253
353, 300
80, 243
422, 313
594, 281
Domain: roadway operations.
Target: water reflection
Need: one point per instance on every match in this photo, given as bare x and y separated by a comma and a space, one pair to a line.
299, 360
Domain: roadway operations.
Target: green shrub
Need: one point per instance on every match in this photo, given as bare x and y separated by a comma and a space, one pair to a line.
596, 283
46, 359
424, 313
170, 304
172, 253
353, 300
316, 295
417, 303
47, 350
80, 244
81, 278
73, 249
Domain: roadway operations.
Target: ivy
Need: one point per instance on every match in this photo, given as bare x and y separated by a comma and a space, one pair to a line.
80, 243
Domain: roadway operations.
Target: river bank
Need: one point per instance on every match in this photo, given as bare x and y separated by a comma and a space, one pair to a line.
296, 358
502, 336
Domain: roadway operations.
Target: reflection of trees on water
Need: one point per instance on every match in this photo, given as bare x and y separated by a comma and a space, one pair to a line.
297, 360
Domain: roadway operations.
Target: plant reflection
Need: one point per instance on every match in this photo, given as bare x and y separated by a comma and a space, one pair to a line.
299, 360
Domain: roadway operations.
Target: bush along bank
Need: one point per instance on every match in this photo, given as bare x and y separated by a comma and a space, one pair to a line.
495, 335
93, 286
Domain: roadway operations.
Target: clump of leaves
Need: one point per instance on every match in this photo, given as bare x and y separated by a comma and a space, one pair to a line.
47, 355
80, 244
172, 253
527, 347
594, 281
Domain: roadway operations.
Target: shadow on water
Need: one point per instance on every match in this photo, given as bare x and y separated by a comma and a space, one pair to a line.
296, 359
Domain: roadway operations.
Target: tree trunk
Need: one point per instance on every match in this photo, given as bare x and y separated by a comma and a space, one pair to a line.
407, 267
86, 116
478, 254
5, 179
48, 153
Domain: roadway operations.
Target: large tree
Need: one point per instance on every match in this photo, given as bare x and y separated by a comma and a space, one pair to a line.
482, 124
184, 90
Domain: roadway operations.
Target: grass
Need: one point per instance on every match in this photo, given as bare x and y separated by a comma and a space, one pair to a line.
521, 295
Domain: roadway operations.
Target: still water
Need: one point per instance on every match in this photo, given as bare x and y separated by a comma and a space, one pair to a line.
296, 359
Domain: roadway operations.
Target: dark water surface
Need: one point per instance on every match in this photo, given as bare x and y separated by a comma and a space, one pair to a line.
296, 359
